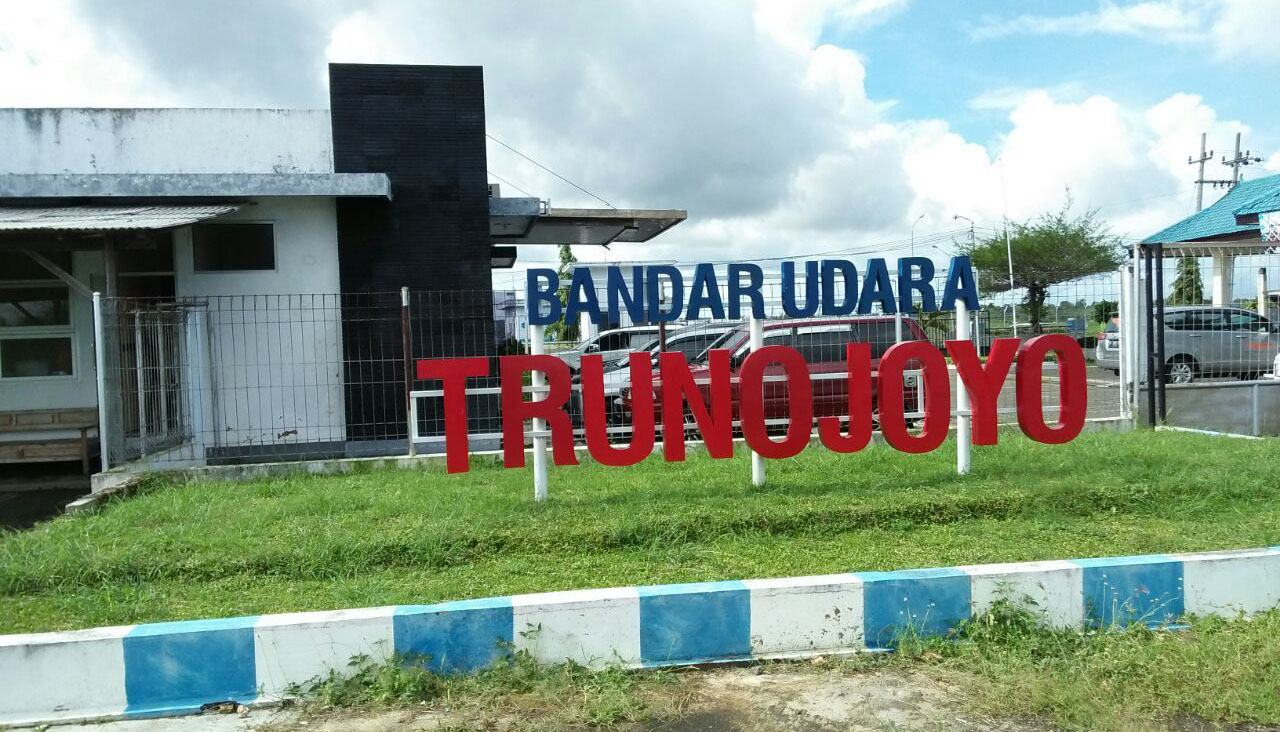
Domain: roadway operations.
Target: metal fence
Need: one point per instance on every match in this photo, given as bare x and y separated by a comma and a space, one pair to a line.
1206, 331
254, 378
208, 380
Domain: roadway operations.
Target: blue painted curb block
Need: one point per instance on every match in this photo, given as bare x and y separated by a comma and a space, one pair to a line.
692, 623
174, 668
1124, 590
455, 637
926, 602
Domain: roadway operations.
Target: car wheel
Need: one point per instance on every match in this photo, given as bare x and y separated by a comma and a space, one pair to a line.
1181, 370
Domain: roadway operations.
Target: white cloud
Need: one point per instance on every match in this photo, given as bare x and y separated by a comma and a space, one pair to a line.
49, 58
1167, 19
1247, 29
737, 113
1232, 29
799, 23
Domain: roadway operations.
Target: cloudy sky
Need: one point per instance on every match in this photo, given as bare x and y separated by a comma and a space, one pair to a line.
785, 127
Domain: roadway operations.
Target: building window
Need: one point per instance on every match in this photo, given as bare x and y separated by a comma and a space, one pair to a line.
22, 358
25, 306
35, 319
233, 247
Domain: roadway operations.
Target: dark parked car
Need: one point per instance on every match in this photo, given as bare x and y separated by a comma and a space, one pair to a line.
822, 344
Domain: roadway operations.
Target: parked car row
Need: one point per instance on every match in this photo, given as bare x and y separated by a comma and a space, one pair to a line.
1204, 341
820, 342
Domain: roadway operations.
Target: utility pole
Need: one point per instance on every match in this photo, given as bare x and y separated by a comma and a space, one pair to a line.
1200, 181
1238, 161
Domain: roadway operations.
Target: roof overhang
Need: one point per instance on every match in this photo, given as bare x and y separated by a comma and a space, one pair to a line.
1222, 247
194, 185
529, 221
105, 218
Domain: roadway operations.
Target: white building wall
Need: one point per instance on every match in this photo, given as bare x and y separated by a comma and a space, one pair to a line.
273, 377
272, 340
165, 141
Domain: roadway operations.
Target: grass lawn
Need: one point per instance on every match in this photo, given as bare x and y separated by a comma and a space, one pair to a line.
207, 549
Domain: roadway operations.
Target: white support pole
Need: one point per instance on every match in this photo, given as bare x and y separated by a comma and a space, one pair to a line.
757, 461
140, 372
1123, 354
963, 419
100, 358
1263, 306
411, 410
1136, 329
1223, 279
537, 347
897, 327
1008, 244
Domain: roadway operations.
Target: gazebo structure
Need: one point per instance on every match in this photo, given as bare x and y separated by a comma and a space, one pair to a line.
1244, 222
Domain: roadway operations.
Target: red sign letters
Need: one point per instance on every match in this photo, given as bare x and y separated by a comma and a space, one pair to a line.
738, 396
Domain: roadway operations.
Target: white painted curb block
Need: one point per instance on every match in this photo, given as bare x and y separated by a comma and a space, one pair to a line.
174, 668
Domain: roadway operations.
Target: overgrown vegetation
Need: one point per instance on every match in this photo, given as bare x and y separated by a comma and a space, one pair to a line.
210, 549
516, 689
1214, 672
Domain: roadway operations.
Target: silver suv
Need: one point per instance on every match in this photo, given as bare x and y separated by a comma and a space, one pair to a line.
1202, 340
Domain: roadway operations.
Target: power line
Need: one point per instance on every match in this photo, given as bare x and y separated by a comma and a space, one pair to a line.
549, 170
513, 185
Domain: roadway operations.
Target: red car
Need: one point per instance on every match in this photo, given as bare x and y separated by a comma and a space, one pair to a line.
822, 344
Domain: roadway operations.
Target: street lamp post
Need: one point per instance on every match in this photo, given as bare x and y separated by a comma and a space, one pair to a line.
972, 241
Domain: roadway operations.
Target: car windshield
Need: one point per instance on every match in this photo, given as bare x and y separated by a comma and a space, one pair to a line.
726, 338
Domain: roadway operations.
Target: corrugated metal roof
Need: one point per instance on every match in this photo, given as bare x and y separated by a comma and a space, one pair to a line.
1266, 202
101, 218
1220, 218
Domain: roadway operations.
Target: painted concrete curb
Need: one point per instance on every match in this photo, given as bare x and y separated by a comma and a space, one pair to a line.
164, 669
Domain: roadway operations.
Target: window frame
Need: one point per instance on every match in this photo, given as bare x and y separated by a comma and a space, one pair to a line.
66, 331
275, 247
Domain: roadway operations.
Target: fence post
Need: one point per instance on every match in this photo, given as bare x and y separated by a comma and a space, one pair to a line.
405, 339
1257, 410
1125, 345
963, 418
537, 347
1264, 305
141, 383
757, 460
1158, 324
100, 358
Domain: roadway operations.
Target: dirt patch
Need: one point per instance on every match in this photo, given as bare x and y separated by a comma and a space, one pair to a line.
759, 699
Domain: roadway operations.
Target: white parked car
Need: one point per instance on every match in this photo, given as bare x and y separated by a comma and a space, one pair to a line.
612, 344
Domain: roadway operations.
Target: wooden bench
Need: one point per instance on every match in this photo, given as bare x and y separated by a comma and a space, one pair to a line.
30, 449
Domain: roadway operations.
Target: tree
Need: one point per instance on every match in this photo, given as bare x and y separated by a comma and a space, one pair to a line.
562, 330
1053, 248
1188, 288
1103, 310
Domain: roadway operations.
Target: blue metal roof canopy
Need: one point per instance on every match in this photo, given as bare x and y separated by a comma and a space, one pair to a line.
1229, 223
